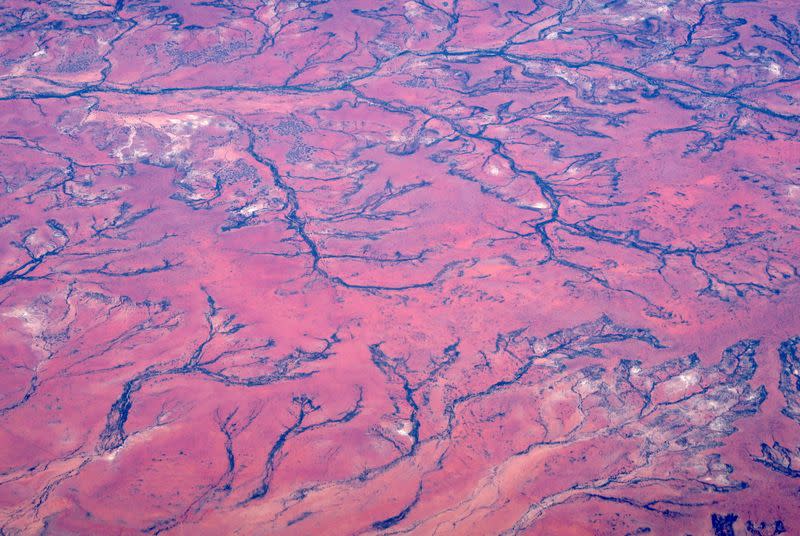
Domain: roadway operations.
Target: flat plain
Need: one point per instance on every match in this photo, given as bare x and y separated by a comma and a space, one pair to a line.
424, 267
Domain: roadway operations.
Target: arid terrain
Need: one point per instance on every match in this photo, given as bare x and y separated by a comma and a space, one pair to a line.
353, 267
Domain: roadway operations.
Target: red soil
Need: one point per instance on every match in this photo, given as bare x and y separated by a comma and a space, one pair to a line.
429, 268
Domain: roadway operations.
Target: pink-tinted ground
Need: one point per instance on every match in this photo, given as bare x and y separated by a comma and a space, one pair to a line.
362, 267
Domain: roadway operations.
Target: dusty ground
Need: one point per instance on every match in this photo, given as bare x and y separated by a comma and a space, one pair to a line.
360, 267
